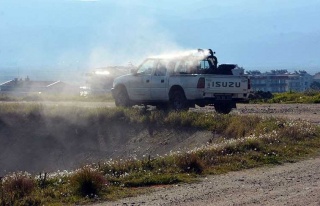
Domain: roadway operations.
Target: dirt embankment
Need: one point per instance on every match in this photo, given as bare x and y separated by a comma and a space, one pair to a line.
38, 143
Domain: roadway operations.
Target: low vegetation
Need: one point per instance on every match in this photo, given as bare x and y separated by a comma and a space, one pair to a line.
310, 96
243, 142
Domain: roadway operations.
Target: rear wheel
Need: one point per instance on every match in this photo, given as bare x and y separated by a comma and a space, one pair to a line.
223, 107
122, 97
178, 101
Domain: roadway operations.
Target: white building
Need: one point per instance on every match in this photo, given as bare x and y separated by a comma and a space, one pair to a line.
278, 81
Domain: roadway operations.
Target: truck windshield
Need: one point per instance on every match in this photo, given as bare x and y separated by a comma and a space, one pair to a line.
146, 67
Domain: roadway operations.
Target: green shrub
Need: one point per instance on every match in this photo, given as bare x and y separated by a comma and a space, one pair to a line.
309, 96
190, 162
87, 182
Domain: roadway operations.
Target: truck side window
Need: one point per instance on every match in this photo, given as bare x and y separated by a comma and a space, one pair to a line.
180, 67
204, 64
204, 67
146, 67
161, 69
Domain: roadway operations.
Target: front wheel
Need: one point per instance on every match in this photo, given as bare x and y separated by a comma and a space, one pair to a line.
122, 97
179, 101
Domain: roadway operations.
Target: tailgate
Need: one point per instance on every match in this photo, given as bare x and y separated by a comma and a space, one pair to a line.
226, 84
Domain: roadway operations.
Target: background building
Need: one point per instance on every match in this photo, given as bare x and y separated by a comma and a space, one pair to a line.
277, 81
22, 87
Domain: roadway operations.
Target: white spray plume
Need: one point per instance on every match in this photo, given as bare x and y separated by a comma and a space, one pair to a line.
131, 41
174, 54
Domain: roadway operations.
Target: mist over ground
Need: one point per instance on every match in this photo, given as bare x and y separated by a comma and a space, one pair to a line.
35, 139
78, 35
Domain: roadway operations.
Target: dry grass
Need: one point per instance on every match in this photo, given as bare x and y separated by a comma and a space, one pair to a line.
246, 142
87, 182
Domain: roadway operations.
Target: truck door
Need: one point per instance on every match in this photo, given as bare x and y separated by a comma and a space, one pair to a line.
140, 82
159, 81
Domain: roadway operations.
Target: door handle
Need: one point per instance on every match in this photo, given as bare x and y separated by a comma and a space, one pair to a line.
162, 80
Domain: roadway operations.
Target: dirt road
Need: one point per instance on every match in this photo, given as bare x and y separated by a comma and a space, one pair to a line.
309, 112
288, 184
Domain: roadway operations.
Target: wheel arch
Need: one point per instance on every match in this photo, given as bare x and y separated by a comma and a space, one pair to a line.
175, 88
121, 96
120, 86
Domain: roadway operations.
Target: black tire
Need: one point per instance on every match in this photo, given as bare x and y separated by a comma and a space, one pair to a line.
178, 101
122, 97
223, 107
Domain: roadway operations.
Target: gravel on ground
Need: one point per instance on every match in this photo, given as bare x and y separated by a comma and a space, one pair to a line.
288, 184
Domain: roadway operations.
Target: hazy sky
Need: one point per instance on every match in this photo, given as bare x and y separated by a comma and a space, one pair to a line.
262, 34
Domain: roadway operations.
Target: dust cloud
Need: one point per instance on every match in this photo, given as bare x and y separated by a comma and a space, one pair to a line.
39, 141
112, 42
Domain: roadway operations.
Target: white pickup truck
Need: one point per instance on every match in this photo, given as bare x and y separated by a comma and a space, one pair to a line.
182, 81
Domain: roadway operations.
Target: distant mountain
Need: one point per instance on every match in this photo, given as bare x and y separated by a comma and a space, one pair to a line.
48, 74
